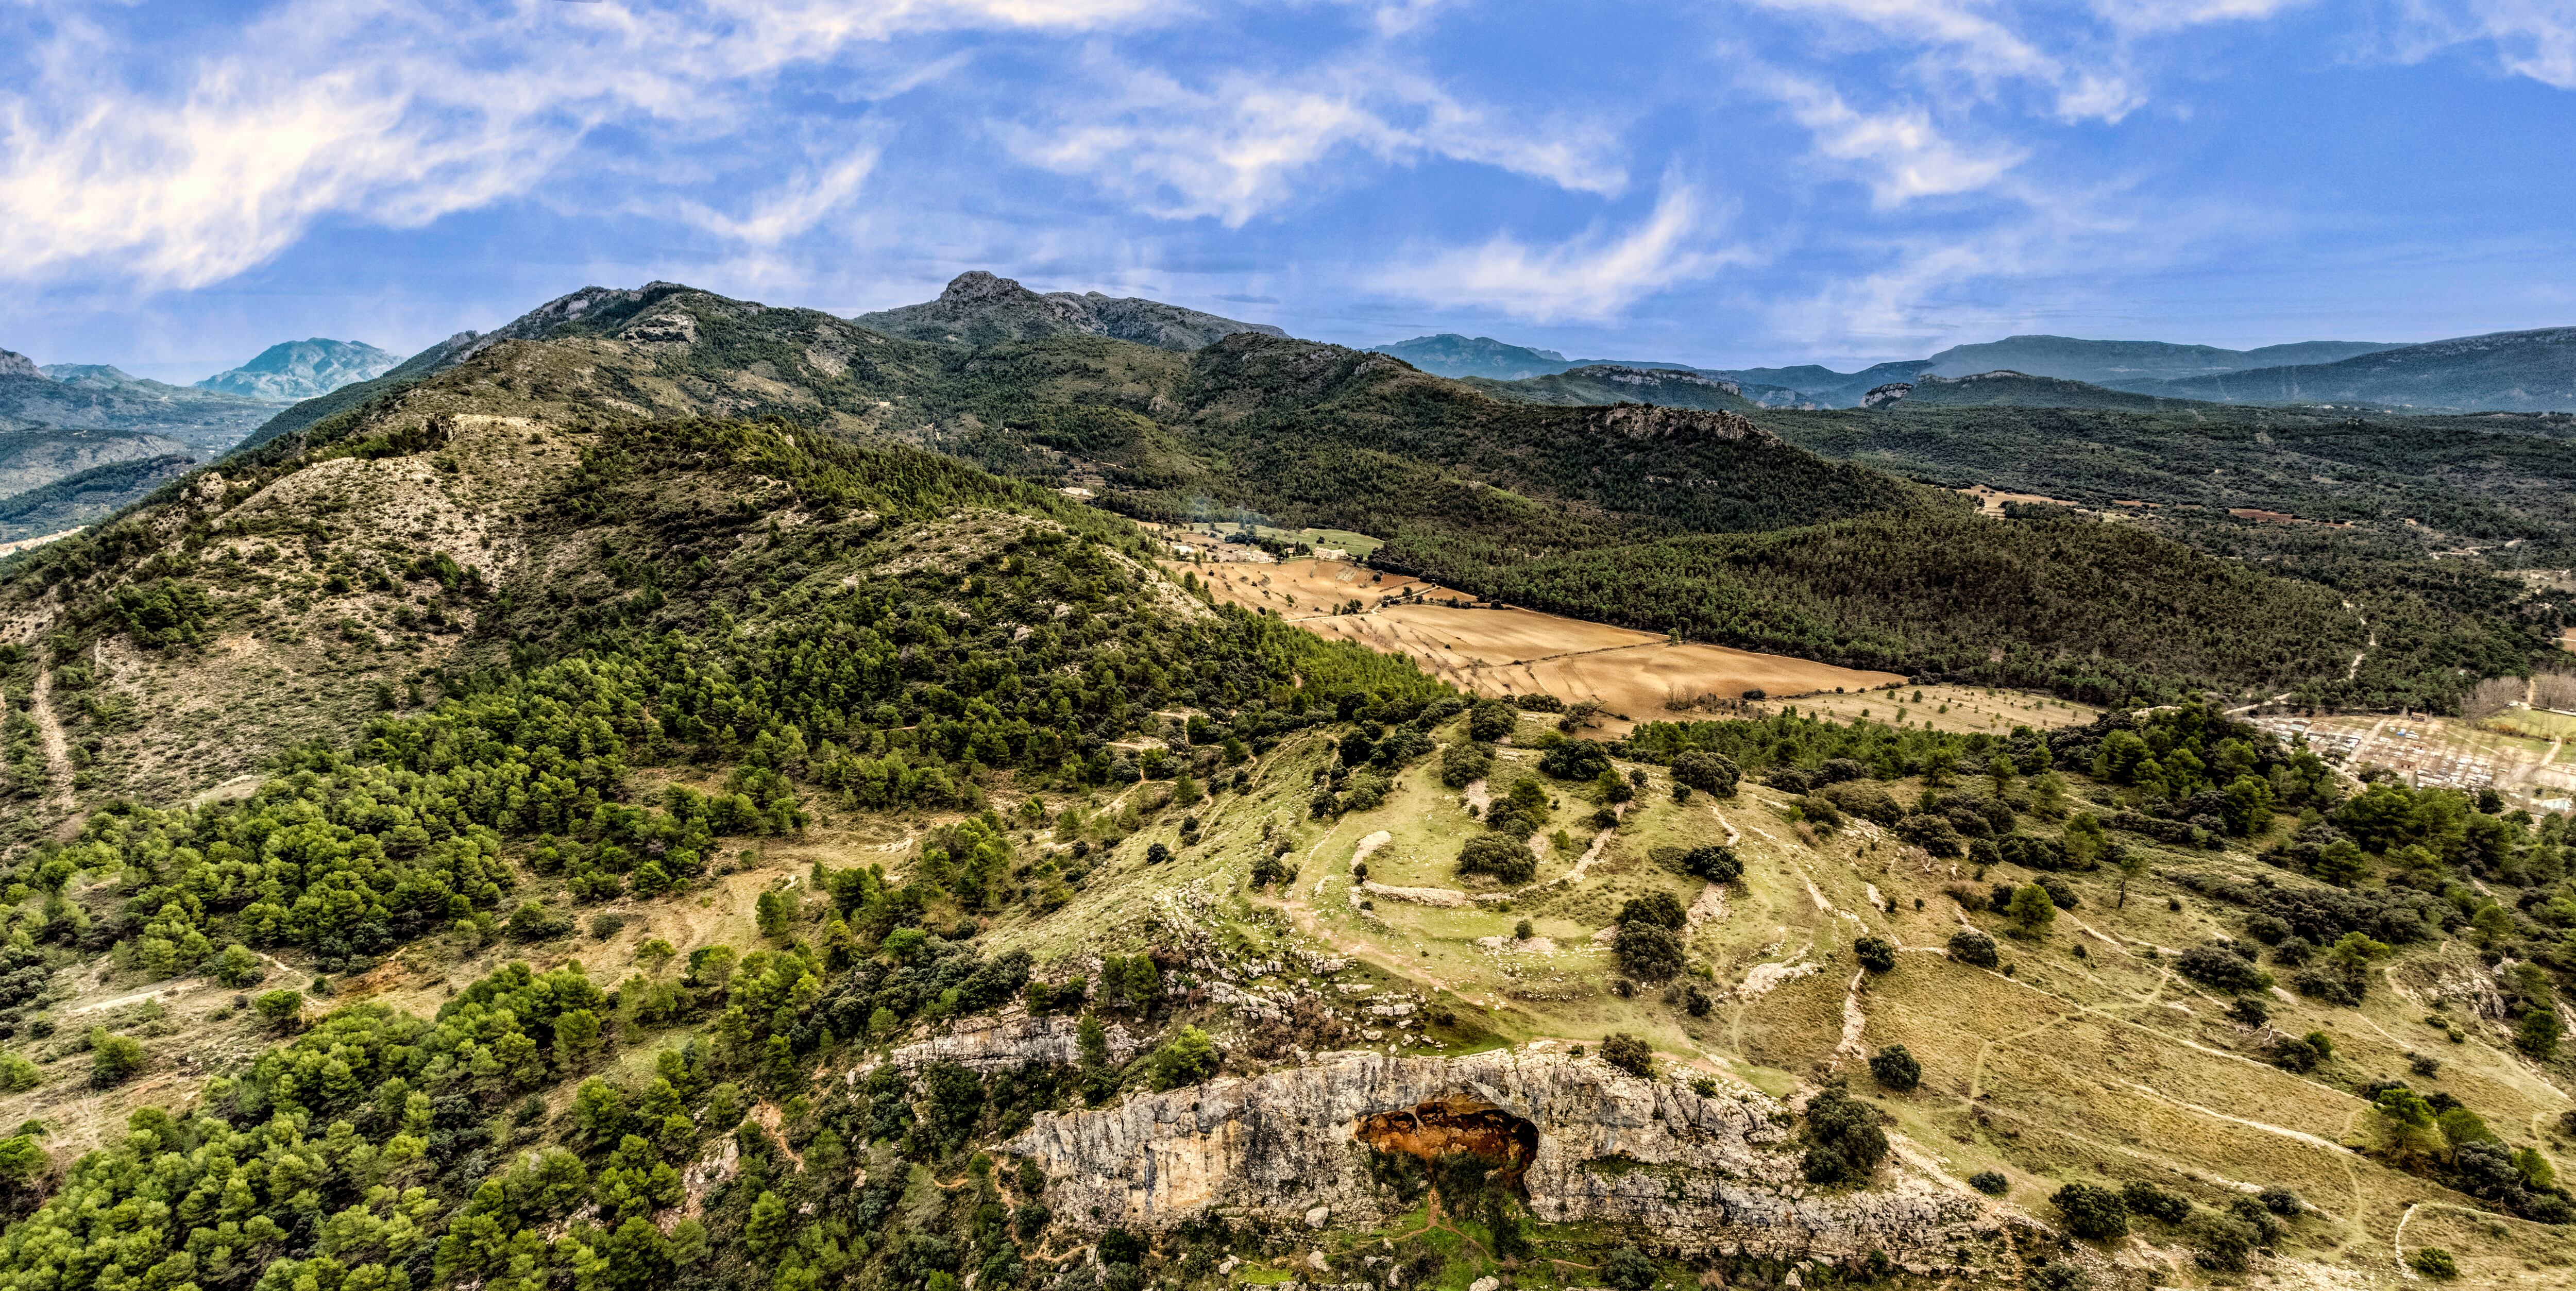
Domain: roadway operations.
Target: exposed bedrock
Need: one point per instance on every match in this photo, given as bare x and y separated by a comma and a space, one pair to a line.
1585, 1141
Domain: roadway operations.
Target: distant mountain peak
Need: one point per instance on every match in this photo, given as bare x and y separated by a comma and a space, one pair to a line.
14, 364
982, 308
293, 370
1449, 354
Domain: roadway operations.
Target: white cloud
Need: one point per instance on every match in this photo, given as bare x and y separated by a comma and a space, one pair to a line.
1592, 276
1900, 154
1248, 144
2532, 38
1958, 48
398, 112
794, 207
2176, 15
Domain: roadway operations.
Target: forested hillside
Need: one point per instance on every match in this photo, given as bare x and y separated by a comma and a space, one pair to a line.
1297, 433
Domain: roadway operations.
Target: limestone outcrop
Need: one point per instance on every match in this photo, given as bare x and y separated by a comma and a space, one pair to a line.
1011, 1040
1589, 1143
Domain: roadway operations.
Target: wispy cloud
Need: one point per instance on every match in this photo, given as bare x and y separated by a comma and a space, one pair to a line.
397, 112
1245, 144
1592, 276
1899, 153
2531, 38
1962, 47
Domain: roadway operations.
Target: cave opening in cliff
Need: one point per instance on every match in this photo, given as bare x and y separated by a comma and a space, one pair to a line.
1433, 1142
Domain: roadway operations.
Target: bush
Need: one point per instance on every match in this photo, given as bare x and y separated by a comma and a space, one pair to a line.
17, 1075
1876, 954
2436, 1263
1707, 772
1660, 908
1465, 762
280, 1007
2143, 1198
2297, 1054
1969, 946
2215, 964
113, 1059
1648, 952
1844, 1142
533, 922
1500, 856
239, 966
2281, 1201
2249, 1010
1628, 1054
1491, 720
2094, 1214
1865, 800
1896, 1069
1629, 1269
605, 925
1575, 760
1714, 864
1989, 1182
1185, 1059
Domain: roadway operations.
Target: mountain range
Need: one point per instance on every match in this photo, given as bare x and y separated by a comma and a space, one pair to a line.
2531, 371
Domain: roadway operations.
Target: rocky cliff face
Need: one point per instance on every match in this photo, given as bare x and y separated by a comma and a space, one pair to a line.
1593, 1144
1010, 1041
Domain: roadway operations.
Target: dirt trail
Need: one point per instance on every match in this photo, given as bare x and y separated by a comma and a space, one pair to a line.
58, 747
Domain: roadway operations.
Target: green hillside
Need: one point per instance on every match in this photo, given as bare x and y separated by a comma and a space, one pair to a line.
533, 830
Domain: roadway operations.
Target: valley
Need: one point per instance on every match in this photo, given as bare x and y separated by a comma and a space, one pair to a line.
1628, 676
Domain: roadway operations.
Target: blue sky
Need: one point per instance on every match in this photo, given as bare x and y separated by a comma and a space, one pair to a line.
1765, 181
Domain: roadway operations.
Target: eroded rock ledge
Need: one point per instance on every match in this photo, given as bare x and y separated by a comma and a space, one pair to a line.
1717, 1173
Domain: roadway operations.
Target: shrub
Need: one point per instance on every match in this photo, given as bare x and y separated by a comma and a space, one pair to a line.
2215, 964
2436, 1263
1575, 760
1629, 1269
1707, 772
1522, 931
1648, 952
1628, 1053
239, 966
2143, 1198
1656, 908
1505, 859
2094, 1214
1989, 1182
1896, 1069
1714, 864
605, 925
1465, 762
113, 1059
2298, 1054
1969, 946
1865, 800
1844, 1141
17, 1075
1185, 1059
533, 922
280, 1007
2281, 1201
1491, 720
1876, 954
